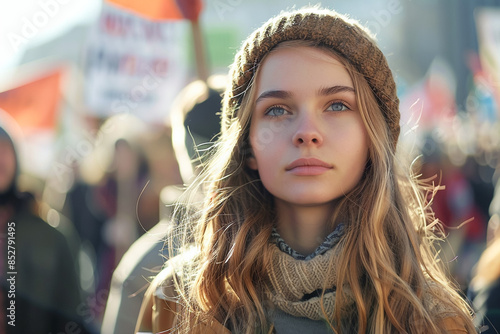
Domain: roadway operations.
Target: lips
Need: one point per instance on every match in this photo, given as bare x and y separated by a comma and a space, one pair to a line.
308, 166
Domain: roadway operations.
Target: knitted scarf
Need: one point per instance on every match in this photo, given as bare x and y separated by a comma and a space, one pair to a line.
293, 283
293, 286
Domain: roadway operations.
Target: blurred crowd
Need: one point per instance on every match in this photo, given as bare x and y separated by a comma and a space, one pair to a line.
74, 230
90, 235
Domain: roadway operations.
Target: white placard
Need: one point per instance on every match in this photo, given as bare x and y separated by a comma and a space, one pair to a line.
488, 30
134, 65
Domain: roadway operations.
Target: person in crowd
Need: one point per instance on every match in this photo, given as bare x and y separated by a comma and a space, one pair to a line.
484, 290
38, 273
455, 205
195, 123
309, 222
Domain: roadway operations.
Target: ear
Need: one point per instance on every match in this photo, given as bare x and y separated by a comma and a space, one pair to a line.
252, 162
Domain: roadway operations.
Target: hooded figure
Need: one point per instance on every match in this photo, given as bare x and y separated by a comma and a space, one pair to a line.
40, 289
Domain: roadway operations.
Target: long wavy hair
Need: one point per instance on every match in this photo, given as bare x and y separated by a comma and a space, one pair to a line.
388, 259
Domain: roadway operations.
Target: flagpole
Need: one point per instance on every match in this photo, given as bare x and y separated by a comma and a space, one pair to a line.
201, 64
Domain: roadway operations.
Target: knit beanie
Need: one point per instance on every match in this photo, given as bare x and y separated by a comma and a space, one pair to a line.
328, 28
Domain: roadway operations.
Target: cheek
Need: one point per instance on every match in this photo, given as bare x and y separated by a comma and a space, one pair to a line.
266, 134
362, 161
262, 138
267, 152
355, 149
362, 155
255, 148
261, 153
360, 146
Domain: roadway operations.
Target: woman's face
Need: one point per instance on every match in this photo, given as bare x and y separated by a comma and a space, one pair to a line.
308, 140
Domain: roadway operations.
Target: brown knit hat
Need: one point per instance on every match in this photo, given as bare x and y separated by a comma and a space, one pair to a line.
346, 36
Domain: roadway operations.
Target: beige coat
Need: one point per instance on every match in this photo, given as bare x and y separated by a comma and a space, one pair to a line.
159, 311
159, 308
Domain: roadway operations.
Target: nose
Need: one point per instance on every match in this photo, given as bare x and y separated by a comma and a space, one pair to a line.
308, 132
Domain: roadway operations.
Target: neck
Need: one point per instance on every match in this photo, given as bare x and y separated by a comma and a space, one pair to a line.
303, 228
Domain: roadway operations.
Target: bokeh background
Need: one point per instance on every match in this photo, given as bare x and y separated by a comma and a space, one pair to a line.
91, 86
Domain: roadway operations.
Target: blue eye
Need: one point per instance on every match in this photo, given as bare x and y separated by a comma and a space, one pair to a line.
276, 111
337, 106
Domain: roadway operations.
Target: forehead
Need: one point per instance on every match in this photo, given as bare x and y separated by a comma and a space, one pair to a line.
301, 68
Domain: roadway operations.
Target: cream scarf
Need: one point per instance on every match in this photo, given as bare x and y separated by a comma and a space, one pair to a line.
289, 280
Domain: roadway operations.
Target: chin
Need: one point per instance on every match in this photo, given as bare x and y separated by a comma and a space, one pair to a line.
311, 202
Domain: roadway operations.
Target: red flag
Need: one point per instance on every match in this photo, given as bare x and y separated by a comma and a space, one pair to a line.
34, 105
163, 9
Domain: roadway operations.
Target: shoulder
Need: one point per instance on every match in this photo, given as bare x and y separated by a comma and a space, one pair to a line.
34, 230
444, 306
453, 325
486, 302
163, 303
147, 254
175, 271
158, 313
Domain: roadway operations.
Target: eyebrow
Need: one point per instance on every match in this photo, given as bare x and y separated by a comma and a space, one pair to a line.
334, 90
283, 94
280, 94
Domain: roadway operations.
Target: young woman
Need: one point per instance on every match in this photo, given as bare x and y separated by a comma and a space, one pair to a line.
308, 224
